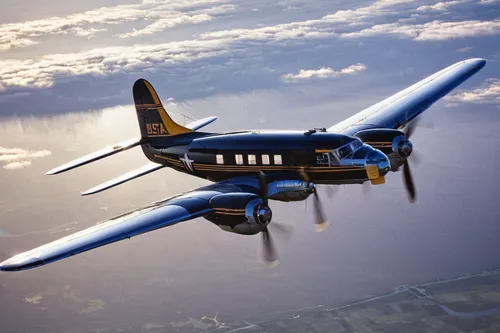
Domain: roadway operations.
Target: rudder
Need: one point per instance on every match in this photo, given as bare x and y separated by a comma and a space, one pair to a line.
153, 119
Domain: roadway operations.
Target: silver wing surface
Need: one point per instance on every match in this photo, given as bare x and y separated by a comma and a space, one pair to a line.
407, 104
161, 214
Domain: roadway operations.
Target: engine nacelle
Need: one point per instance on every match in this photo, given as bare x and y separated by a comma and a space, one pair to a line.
290, 190
387, 140
241, 213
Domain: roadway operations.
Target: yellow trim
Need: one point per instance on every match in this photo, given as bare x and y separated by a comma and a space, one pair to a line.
147, 106
372, 172
378, 142
324, 150
232, 210
256, 168
172, 127
378, 181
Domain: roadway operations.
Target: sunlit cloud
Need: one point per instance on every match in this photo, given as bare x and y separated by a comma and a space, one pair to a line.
42, 72
488, 94
17, 158
431, 31
442, 5
175, 19
164, 14
322, 73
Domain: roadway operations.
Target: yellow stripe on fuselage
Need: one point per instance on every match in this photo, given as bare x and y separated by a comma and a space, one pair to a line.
257, 168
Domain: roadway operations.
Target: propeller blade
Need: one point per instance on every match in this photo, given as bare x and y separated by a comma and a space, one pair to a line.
320, 219
280, 229
415, 157
263, 187
268, 250
408, 179
331, 190
319, 214
410, 128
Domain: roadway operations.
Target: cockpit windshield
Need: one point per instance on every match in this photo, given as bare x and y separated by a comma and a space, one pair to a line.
348, 148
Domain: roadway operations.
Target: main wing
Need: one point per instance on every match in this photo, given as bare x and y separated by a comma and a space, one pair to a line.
161, 214
407, 104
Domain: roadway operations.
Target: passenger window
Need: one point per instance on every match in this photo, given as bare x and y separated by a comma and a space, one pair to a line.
277, 160
265, 159
238, 158
220, 159
252, 159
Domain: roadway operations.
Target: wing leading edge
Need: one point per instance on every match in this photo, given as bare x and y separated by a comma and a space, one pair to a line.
158, 215
407, 104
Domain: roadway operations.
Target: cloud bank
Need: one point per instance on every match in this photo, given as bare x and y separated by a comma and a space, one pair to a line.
432, 31
164, 14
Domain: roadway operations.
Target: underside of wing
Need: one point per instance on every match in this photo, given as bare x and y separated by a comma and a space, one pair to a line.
407, 104
158, 215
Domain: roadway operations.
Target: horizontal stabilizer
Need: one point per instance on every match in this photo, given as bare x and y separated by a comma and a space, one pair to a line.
144, 170
196, 125
108, 151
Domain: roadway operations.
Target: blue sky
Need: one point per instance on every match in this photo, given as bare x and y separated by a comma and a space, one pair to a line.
66, 72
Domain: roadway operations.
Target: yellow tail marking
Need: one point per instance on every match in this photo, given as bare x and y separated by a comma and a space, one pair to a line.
172, 127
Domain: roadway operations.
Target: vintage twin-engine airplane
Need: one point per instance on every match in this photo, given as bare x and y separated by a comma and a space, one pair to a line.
251, 167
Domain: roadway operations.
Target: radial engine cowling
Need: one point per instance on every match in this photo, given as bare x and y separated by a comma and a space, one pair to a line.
241, 213
387, 140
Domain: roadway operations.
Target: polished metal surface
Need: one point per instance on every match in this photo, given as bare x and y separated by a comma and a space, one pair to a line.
402, 147
378, 158
365, 156
290, 190
253, 210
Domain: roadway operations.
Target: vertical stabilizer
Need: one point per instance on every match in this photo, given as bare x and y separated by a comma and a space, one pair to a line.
153, 119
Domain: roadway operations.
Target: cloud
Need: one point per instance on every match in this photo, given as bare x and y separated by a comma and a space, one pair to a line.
442, 6
42, 72
488, 94
322, 73
431, 31
165, 14
464, 49
17, 158
17, 165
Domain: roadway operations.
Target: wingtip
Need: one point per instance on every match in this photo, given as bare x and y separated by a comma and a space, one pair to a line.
52, 172
87, 192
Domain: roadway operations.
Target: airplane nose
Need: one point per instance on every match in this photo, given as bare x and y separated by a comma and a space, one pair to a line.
379, 159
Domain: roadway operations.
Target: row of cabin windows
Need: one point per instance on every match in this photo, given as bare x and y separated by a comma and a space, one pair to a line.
252, 159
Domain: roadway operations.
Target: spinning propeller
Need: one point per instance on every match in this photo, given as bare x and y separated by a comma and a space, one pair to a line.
407, 175
268, 249
320, 219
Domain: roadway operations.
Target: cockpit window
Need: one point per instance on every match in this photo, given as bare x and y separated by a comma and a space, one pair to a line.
348, 148
343, 152
356, 144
